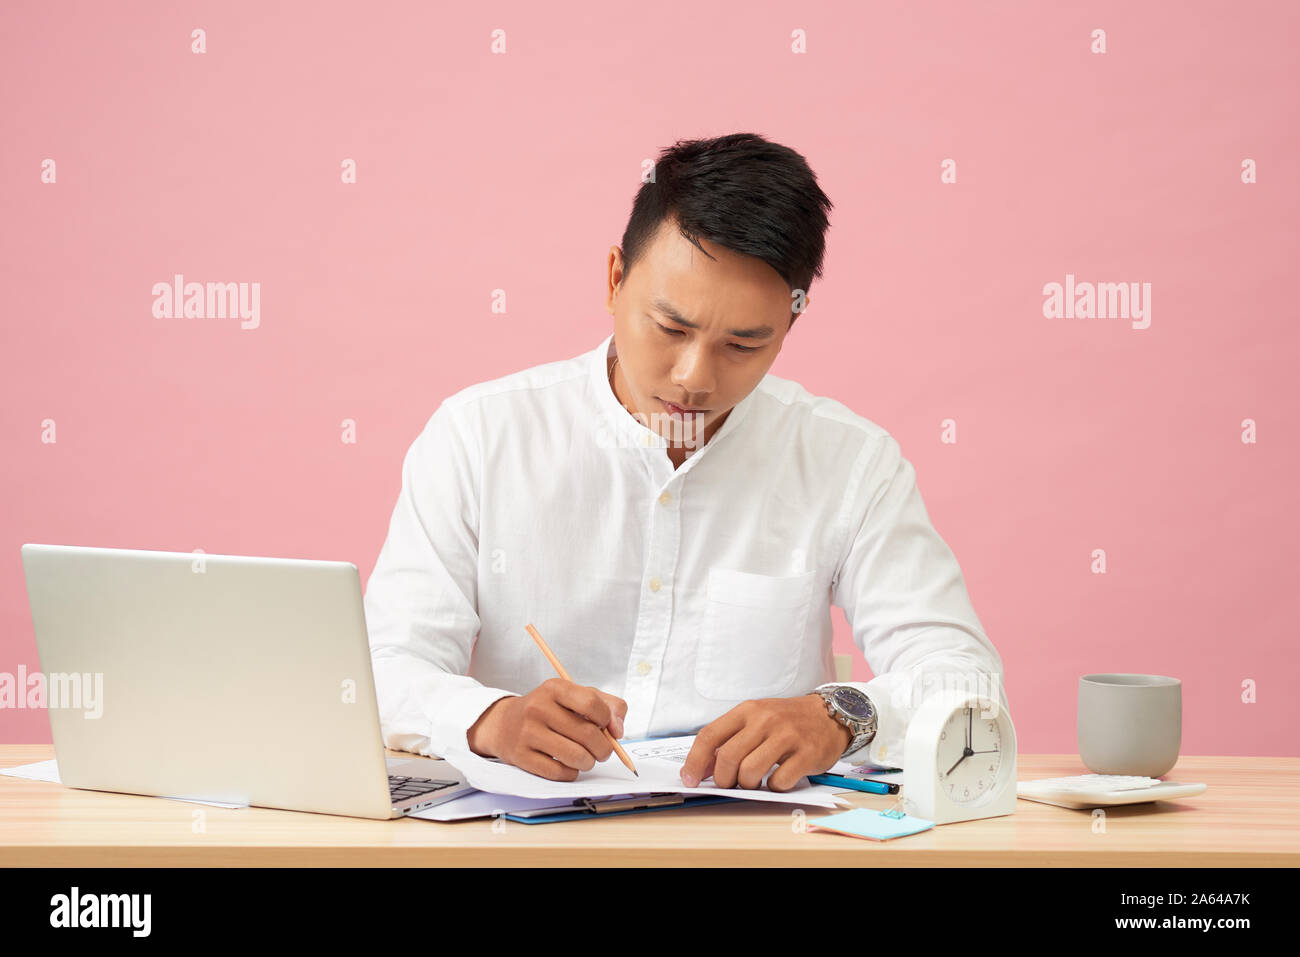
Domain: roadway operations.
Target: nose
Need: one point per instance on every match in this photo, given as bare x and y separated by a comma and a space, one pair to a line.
693, 374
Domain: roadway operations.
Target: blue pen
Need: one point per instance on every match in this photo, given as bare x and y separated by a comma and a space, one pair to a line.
857, 784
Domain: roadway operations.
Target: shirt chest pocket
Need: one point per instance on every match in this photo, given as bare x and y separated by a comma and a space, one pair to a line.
752, 634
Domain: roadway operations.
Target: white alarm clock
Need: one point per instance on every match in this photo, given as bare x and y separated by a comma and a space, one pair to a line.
959, 759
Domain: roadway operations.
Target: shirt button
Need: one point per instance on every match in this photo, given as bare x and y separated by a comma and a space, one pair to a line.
643, 668
654, 584
665, 499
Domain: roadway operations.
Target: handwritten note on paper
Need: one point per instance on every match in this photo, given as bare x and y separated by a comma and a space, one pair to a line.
659, 762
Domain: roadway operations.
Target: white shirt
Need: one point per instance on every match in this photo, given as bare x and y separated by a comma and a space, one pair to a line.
537, 498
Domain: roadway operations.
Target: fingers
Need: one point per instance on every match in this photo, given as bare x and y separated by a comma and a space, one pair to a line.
579, 729
732, 754
543, 765
772, 751
567, 754
591, 703
565, 724
740, 748
619, 707
700, 762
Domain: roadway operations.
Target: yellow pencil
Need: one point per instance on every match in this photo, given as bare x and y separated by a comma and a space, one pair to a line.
555, 662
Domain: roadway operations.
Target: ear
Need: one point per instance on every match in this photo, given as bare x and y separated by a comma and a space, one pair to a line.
614, 267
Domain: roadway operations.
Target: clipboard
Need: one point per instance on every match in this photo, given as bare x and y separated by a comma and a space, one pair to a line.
587, 809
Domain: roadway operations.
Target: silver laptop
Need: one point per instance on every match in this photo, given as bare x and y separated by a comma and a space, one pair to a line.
218, 678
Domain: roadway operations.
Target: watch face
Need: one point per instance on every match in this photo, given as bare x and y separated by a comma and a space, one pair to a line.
853, 702
970, 756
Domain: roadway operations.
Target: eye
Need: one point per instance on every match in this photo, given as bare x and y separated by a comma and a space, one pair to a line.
737, 347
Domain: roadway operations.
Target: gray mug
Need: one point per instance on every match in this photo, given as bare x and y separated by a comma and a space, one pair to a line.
1130, 724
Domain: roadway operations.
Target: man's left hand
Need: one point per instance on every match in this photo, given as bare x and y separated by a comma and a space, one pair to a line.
739, 748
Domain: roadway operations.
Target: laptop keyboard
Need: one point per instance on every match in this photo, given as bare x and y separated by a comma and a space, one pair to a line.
401, 787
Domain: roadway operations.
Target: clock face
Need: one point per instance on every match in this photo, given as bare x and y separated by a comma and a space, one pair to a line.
970, 756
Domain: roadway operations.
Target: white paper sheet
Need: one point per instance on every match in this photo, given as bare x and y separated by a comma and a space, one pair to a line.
659, 762
48, 771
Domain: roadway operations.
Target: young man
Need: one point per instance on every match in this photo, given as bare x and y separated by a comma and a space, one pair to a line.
674, 521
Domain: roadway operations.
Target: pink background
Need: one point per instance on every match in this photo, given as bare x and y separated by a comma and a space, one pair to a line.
479, 172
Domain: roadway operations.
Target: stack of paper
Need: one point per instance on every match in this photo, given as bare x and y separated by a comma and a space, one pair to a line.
659, 763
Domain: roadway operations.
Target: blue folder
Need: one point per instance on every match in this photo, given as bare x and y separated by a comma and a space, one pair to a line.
584, 809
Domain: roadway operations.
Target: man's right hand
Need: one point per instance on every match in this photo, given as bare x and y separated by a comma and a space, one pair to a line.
553, 731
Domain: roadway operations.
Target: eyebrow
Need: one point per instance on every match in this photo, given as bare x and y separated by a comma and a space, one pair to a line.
666, 308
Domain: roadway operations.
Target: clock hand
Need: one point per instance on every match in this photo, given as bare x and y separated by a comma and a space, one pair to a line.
966, 751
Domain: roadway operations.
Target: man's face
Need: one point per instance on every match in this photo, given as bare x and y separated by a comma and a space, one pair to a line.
676, 319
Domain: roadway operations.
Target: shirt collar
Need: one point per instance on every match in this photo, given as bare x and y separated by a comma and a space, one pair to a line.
631, 433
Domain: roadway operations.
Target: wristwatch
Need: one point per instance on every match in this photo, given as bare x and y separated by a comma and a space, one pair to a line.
853, 709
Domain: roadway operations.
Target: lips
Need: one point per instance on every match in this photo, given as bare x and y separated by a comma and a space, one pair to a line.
678, 410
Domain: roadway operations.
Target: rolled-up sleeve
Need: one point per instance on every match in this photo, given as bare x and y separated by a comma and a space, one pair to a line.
903, 594
421, 599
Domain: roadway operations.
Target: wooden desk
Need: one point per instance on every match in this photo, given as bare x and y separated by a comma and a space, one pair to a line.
1249, 816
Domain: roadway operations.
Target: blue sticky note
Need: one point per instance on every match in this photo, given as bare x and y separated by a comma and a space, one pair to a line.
864, 822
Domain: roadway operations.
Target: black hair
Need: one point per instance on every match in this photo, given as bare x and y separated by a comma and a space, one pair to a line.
741, 192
